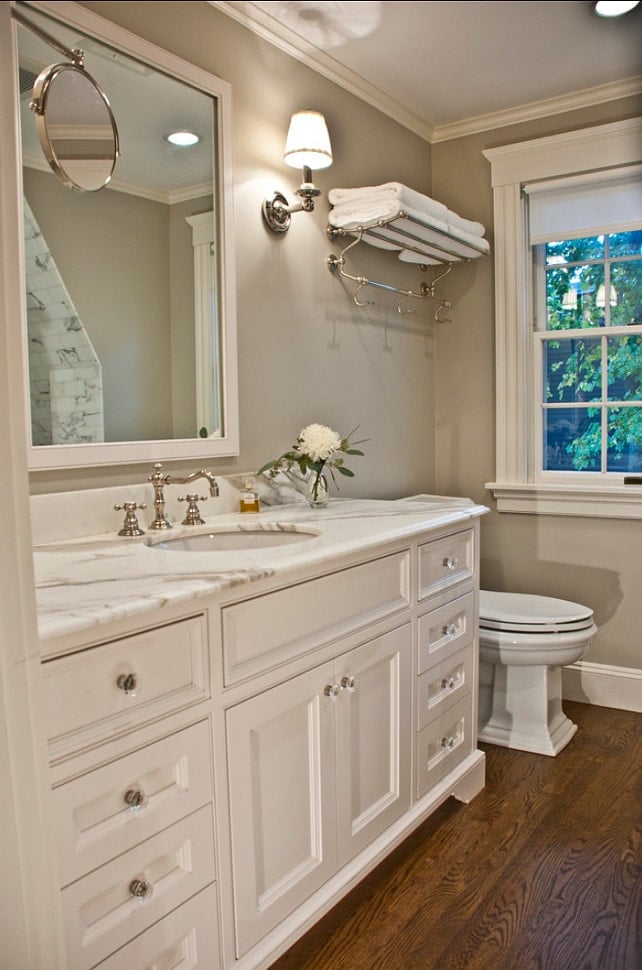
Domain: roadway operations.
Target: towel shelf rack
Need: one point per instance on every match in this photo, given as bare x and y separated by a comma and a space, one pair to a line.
426, 291
402, 233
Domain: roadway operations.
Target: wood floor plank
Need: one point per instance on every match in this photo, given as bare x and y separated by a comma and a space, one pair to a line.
541, 871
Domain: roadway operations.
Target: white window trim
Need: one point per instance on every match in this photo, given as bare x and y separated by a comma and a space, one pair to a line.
572, 153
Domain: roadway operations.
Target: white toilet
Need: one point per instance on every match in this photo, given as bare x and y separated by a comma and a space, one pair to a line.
528, 639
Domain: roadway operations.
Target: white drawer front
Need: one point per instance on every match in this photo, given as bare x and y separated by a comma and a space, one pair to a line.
104, 813
110, 689
101, 911
444, 631
269, 630
446, 562
187, 939
444, 744
443, 684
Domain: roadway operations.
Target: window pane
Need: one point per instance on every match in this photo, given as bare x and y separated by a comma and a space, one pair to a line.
572, 439
575, 250
626, 282
624, 440
573, 295
624, 357
626, 243
573, 370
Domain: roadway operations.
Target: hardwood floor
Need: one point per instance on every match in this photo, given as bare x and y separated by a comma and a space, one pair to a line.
542, 871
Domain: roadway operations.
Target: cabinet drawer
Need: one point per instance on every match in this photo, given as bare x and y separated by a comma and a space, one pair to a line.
104, 813
187, 939
444, 744
446, 562
443, 684
262, 633
444, 631
107, 690
101, 911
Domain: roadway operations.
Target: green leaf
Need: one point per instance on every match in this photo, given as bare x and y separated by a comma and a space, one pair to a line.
345, 471
354, 451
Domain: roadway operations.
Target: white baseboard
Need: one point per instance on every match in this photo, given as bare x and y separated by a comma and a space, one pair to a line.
603, 685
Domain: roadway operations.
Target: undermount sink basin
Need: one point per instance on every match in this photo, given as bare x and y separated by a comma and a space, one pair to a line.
232, 540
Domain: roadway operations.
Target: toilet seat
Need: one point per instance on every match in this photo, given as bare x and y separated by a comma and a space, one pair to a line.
527, 613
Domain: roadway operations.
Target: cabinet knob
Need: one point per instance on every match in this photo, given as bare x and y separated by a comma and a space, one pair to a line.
450, 630
141, 889
136, 799
129, 684
332, 691
448, 683
448, 742
349, 684
449, 562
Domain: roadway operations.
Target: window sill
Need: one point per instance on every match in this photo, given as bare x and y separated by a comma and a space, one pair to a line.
613, 502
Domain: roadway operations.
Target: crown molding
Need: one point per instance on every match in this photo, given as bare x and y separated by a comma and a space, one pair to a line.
266, 27
539, 109
306, 53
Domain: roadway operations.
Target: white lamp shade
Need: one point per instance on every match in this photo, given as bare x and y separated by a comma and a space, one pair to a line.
308, 141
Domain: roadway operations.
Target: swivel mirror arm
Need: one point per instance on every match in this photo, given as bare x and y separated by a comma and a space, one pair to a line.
76, 56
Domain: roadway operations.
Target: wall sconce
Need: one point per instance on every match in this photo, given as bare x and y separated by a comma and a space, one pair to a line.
307, 146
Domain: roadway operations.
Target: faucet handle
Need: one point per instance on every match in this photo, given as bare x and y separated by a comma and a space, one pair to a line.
192, 516
130, 525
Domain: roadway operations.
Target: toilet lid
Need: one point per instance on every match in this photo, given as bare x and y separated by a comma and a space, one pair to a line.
526, 613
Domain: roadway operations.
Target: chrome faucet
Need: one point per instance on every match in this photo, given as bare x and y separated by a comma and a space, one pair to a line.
159, 481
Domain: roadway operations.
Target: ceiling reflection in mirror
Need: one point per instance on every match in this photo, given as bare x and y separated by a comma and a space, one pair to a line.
115, 327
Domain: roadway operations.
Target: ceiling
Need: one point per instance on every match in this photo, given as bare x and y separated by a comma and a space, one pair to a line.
445, 69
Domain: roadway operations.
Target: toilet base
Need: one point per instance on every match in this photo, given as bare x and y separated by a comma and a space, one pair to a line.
527, 710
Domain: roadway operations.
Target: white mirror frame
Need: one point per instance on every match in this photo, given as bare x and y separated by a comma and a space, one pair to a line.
42, 457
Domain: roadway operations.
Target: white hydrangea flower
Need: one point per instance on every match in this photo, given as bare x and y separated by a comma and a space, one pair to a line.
318, 441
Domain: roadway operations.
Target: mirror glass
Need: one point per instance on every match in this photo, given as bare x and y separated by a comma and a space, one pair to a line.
76, 127
130, 303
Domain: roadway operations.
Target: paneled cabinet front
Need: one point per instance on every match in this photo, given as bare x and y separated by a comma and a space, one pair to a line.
318, 767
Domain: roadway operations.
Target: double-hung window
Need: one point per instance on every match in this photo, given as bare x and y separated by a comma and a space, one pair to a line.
568, 250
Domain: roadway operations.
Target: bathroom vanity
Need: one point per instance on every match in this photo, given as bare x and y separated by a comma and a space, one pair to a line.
237, 736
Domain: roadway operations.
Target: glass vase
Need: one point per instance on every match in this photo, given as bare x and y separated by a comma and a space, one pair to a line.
318, 494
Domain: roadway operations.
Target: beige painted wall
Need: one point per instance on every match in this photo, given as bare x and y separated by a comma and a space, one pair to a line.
592, 561
305, 352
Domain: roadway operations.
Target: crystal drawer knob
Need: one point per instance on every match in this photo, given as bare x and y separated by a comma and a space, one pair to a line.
449, 562
129, 684
450, 630
332, 691
349, 684
448, 683
448, 742
140, 889
136, 799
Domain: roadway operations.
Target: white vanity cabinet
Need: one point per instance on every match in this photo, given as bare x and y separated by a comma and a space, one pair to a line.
318, 767
222, 778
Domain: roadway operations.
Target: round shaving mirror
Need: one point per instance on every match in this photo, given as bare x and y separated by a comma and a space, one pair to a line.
76, 127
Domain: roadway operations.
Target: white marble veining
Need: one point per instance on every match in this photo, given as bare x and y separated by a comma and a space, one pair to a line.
87, 582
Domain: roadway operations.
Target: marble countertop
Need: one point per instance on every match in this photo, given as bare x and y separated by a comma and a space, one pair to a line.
84, 583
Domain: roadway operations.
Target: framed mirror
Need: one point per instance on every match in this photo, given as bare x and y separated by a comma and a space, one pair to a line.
130, 337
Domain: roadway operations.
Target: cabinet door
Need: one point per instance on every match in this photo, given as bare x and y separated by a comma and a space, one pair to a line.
281, 768
373, 739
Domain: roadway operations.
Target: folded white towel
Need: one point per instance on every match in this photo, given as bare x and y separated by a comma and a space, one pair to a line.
442, 241
394, 191
389, 191
467, 225
407, 256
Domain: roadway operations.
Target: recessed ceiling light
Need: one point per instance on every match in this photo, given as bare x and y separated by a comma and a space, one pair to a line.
614, 8
184, 139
